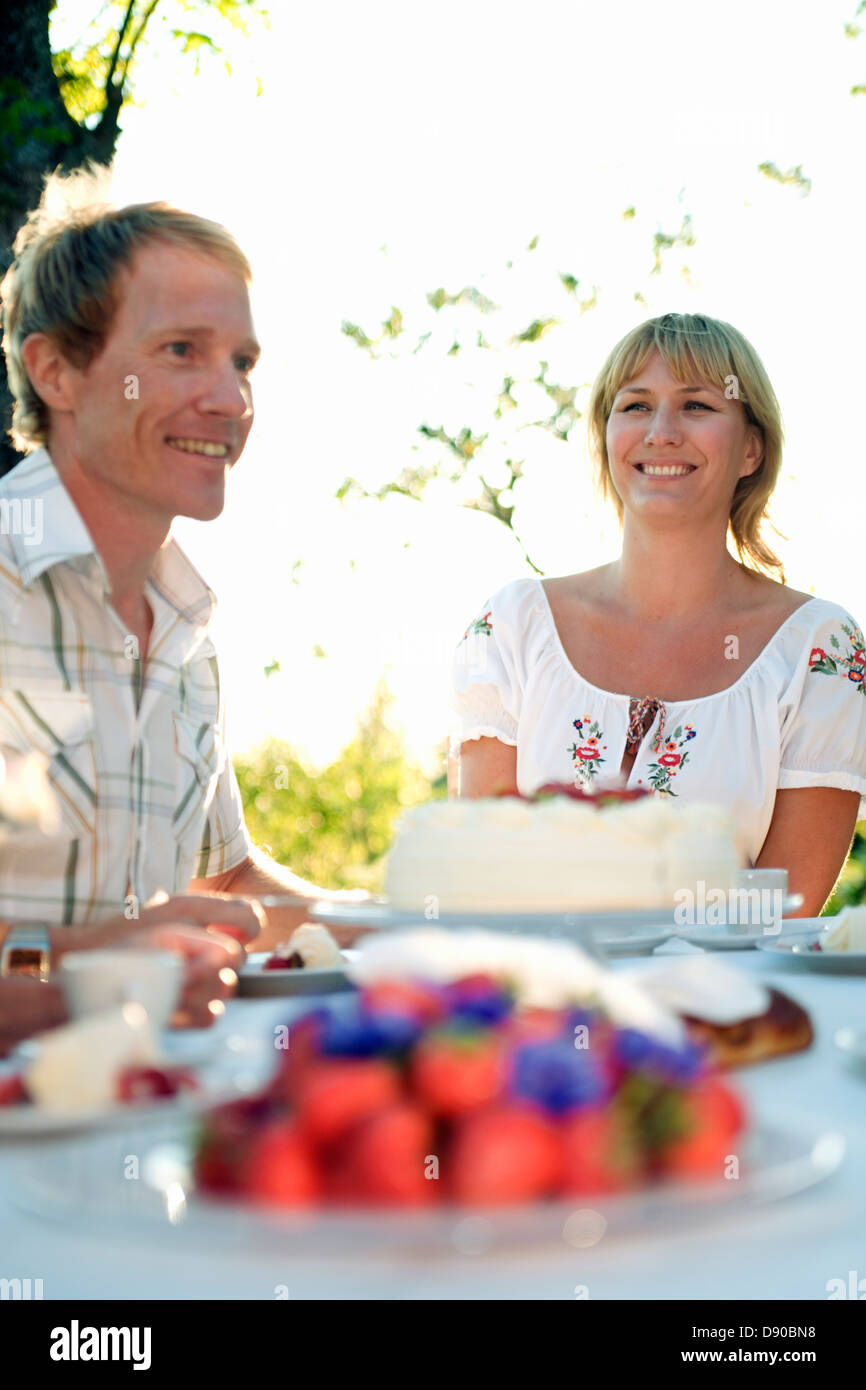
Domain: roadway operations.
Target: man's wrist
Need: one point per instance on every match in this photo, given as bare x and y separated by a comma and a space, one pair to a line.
65, 939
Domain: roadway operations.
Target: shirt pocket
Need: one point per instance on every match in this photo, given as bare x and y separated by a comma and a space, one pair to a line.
200, 758
58, 729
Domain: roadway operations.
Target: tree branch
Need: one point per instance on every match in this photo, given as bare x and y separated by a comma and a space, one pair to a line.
141, 28
116, 54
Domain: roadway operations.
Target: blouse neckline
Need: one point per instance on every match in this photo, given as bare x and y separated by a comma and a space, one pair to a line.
698, 699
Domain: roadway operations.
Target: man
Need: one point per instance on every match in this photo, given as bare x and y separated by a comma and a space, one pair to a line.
130, 348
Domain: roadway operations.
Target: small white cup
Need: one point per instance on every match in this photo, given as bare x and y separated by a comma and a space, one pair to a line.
772, 886
96, 980
763, 878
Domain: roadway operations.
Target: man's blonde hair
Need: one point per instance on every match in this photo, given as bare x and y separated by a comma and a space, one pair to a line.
64, 279
695, 348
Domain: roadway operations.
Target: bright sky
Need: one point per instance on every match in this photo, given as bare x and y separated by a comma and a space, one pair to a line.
396, 148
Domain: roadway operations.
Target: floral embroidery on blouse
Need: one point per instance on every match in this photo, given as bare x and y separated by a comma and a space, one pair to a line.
671, 761
481, 626
586, 755
851, 665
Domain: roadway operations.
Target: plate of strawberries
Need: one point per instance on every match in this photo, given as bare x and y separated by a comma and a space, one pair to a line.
417, 1104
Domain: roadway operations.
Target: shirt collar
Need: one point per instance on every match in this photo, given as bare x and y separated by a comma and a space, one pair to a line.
56, 534
55, 531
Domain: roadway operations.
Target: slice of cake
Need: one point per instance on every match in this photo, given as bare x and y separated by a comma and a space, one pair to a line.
849, 931
310, 947
736, 1018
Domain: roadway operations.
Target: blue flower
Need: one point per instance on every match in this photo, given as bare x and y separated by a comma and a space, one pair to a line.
478, 1001
639, 1051
556, 1076
368, 1035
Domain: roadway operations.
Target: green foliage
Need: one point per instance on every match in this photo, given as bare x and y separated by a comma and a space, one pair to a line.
665, 241
854, 31
851, 888
97, 72
25, 118
334, 826
484, 457
793, 177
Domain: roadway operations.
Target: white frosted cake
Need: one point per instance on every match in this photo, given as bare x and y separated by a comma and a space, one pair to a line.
508, 854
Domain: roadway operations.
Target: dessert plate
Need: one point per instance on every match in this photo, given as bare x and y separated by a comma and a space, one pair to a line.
602, 933
222, 1079
165, 1209
745, 936
378, 914
630, 940
255, 982
804, 948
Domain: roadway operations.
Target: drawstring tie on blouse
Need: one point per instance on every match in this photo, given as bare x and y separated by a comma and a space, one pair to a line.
640, 720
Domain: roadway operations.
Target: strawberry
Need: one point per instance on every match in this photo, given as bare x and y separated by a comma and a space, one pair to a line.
227, 1136
534, 1025
423, 1002
279, 1169
562, 789
715, 1116
146, 1083
452, 1073
12, 1091
217, 1165
386, 1160
505, 1154
335, 1093
601, 1153
294, 961
295, 1060
600, 798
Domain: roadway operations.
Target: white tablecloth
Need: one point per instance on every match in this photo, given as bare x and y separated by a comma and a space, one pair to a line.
789, 1249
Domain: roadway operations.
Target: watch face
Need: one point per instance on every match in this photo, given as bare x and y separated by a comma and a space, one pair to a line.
25, 960
26, 950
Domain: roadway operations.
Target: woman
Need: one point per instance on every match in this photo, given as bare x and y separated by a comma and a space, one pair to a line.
678, 668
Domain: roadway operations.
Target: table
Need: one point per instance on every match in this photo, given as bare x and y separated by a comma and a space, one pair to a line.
789, 1249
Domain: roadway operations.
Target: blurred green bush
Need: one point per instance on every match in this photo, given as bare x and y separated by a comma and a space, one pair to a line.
333, 826
851, 888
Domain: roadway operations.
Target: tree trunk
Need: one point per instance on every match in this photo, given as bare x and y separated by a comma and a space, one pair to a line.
37, 135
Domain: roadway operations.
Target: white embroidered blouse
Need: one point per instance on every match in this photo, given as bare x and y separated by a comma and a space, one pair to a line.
795, 718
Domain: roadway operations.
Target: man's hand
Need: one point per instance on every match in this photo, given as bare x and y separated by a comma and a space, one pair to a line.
211, 964
212, 957
229, 915
262, 877
26, 1007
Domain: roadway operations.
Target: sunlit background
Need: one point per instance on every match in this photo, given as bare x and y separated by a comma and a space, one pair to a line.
365, 155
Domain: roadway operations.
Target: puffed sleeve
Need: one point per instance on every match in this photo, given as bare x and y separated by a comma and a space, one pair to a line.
824, 708
486, 688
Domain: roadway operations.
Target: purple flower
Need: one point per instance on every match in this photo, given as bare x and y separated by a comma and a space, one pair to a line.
557, 1076
478, 1001
368, 1035
636, 1050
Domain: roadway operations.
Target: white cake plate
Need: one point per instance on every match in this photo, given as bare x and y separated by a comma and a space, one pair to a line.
615, 932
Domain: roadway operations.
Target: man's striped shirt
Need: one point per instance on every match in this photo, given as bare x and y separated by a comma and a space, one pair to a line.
136, 759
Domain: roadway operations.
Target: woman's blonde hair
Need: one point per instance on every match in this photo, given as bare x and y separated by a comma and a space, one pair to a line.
64, 279
695, 348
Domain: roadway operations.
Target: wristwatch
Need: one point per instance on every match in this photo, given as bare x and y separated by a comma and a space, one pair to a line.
26, 950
